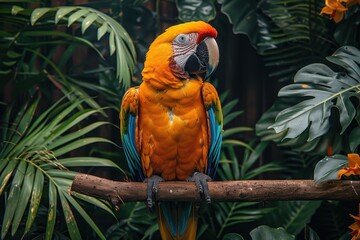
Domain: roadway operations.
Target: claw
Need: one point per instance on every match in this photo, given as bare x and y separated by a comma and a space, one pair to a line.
152, 188
201, 180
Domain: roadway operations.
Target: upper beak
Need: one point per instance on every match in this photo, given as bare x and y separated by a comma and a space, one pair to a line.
213, 56
205, 59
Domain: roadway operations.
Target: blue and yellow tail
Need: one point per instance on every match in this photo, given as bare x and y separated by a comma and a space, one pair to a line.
177, 220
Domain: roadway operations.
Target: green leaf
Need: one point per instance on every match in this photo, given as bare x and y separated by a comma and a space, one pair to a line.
311, 234
16, 9
12, 201
6, 174
93, 201
84, 215
236, 130
310, 99
23, 124
135, 219
292, 215
251, 157
89, 19
71, 224
228, 107
242, 14
317, 109
354, 138
24, 197
196, 10
78, 14
112, 45
267, 233
74, 135
232, 236
71, 122
62, 12
228, 118
235, 213
80, 143
328, 167
233, 142
51, 219
102, 30
61, 173
87, 161
37, 14
35, 199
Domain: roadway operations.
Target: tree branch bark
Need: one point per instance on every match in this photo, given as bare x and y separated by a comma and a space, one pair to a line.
222, 191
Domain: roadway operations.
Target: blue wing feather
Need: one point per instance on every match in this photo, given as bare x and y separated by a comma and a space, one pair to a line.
215, 143
128, 118
129, 145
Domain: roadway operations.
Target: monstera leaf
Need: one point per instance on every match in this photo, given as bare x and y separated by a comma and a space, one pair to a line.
266, 232
243, 15
196, 10
307, 114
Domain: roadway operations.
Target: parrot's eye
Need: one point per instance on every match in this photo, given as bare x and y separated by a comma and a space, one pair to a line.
182, 39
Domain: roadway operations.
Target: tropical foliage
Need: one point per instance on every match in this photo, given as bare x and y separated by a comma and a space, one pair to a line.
63, 71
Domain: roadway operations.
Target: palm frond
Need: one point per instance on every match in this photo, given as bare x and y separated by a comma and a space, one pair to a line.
299, 165
120, 42
292, 215
230, 214
136, 221
33, 160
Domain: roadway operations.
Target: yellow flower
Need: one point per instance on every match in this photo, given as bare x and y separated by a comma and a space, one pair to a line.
335, 9
354, 166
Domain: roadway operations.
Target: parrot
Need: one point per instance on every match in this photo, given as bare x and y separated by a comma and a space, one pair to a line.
171, 124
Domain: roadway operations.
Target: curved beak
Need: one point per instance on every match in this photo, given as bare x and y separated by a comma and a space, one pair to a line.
213, 59
205, 60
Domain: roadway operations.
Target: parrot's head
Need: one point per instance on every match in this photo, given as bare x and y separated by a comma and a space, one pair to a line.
182, 52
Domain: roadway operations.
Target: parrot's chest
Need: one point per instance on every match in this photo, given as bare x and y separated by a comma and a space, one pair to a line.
173, 133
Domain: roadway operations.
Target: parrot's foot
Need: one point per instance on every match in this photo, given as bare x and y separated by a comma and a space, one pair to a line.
201, 180
152, 188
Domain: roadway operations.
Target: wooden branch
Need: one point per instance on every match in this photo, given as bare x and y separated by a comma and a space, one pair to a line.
224, 191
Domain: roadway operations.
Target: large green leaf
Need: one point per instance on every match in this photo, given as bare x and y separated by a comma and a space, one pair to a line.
316, 91
328, 167
243, 15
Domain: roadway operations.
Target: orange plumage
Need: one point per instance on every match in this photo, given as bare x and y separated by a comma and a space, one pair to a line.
171, 124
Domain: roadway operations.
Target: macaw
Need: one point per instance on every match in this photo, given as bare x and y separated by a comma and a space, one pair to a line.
171, 125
